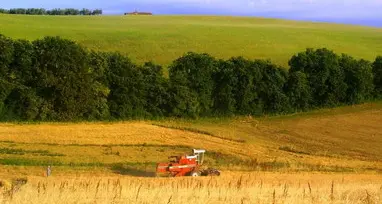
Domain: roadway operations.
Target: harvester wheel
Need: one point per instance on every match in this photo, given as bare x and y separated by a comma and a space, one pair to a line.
195, 174
210, 172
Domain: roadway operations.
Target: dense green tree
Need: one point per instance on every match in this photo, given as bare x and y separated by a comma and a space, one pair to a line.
359, 79
6, 57
21, 68
127, 97
65, 81
249, 87
35, 11
183, 101
56, 11
5, 89
377, 71
17, 11
4, 11
156, 89
85, 12
299, 91
57, 79
226, 79
195, 73
98, 69
325, 76
22, 103
246, 87
271, 89
97, 12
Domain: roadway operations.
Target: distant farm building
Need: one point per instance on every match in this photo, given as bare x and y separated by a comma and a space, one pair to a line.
140, 13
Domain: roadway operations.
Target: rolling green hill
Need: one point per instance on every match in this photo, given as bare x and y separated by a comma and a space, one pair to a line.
164, 38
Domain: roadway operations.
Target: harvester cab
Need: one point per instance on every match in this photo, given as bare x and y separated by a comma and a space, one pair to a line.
199, 154
186, 165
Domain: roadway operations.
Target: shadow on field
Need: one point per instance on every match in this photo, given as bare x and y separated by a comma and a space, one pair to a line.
131, 171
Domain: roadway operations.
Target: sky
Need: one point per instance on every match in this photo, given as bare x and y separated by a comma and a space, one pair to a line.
363, 12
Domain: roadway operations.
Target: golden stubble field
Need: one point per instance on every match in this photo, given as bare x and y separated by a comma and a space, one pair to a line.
326, 156
254, 187
348, 137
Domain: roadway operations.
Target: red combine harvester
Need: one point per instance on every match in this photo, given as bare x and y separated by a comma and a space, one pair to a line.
186, 166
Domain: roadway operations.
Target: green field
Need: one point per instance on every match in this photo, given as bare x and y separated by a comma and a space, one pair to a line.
164, 38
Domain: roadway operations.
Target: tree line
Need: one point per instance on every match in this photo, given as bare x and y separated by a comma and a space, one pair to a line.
54, 79
57, 11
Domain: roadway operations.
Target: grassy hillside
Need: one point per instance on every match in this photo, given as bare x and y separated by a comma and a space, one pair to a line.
327, 140
164, 38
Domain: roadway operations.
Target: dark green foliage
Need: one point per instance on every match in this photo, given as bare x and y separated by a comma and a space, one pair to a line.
299, 91
98, 108
257, 86
85, 12
377, 71
57, 11
325, 76
57, 79
35, 11
64, 79
5, 89
156, 89
6, 57
226, 79
246, 89
22, 102
17, 11
97, 12
4, 11
192, 84
127, 95
21, 69
359, 79
271, 88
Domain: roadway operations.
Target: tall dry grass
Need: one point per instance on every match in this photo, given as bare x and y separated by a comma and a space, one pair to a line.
231, 188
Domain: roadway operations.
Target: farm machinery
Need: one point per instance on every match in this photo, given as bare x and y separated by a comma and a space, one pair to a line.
186, 165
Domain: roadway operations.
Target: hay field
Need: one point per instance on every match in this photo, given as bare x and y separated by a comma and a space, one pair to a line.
332, 140
255, 187
164, 38
325, 156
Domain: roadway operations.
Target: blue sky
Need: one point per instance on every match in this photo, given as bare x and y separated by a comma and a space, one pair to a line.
366, 12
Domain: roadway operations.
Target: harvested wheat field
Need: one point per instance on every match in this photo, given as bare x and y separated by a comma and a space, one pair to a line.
333, 140
255, 187
326, 156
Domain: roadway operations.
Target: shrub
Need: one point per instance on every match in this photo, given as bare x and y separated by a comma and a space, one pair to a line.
377, 71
